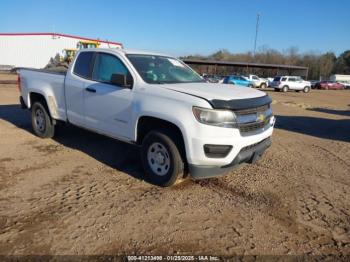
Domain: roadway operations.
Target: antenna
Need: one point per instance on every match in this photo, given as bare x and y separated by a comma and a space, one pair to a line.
256, 31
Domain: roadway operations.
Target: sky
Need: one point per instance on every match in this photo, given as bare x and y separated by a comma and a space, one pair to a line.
183, 27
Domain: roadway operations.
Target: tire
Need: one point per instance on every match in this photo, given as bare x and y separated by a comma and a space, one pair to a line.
306, 89
41, 121
250, 85
285, 89
263, 86
161, 159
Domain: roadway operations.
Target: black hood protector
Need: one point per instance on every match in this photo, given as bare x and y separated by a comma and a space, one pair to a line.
240, 104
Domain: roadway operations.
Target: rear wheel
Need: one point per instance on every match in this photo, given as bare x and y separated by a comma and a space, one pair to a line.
41, 121
306, 89
285, 89
263, 86
161, 159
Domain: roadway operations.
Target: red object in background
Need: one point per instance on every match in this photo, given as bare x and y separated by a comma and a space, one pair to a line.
329, 85
19, 83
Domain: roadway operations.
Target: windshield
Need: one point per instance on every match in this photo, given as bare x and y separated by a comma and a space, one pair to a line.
163, 70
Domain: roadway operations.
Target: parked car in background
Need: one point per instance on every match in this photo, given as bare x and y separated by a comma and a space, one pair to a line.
345, 83
313, 83
332, 85
257, 81
237, 80
212, 78
285, 83
269, 81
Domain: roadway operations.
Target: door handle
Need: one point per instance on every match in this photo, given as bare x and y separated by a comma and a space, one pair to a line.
90, 90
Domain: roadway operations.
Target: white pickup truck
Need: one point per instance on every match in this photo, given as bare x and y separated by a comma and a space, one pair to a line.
184, 126
257, 81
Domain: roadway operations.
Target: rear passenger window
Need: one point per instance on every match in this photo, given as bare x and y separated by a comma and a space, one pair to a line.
291, 79
83, 64
105, 66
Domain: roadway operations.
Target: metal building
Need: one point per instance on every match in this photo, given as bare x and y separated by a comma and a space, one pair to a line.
229, 67
36, 49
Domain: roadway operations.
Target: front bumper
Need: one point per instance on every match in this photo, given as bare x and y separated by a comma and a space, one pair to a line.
249, 154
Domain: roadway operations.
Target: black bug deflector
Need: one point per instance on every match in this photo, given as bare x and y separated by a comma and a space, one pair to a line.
239, 104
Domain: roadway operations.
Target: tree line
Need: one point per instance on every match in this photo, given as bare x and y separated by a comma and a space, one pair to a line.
321, 65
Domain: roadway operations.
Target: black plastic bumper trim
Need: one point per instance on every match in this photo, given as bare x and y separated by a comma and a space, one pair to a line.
248, 154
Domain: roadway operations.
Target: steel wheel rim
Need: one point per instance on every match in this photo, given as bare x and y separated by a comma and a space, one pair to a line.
158, 159
39, 120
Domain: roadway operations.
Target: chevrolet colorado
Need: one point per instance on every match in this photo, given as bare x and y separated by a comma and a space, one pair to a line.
184, 126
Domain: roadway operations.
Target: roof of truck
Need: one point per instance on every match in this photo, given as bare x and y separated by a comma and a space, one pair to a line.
127, 51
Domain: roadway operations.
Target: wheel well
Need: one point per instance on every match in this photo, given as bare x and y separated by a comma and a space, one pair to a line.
36, 97
147, 124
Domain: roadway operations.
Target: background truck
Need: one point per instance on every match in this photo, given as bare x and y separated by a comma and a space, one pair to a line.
183, 126
257, 81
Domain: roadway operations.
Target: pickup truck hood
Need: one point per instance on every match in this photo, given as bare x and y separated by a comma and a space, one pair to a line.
212, 91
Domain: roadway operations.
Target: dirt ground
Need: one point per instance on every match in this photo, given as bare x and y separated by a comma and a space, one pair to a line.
83, 193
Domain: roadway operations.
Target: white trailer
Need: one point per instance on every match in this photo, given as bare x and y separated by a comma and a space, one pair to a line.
344, 79
36, 49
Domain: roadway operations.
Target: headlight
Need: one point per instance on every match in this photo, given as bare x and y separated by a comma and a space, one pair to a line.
222, 118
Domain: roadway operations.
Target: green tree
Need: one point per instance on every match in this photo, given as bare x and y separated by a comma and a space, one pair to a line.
342, 64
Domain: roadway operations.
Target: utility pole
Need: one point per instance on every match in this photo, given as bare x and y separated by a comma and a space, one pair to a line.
256, 32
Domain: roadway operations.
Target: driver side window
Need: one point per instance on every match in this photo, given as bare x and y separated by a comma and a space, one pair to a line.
105, 66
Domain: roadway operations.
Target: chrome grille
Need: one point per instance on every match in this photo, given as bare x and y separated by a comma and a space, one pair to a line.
252, 110
249, 121
253, 126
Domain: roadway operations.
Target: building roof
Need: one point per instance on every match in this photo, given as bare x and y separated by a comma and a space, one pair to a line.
62, 35
241, 64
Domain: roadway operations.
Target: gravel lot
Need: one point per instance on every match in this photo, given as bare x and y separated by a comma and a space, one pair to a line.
83, 193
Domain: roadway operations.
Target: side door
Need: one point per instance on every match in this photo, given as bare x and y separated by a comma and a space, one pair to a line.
256, 80
300, 83
108, 107
292, 83
75, 83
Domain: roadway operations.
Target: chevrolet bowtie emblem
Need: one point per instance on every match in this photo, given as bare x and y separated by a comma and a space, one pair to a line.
260, 118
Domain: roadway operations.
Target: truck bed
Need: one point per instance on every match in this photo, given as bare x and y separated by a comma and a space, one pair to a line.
48, 83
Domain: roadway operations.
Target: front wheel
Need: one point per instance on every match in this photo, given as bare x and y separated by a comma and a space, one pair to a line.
285, 89
306, 89
263, 86
41, 121
161, 159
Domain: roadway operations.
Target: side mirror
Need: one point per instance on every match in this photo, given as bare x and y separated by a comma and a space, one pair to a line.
122, 80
